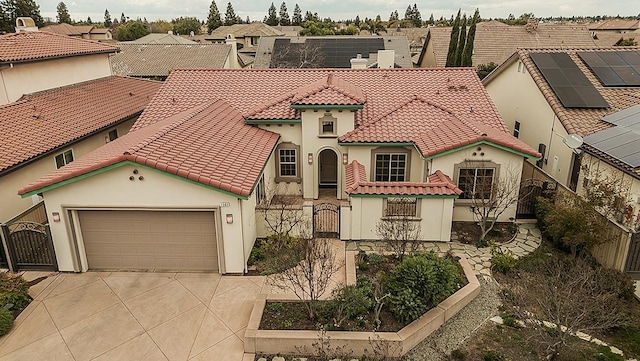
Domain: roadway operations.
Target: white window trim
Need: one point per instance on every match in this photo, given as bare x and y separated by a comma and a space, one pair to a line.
55, 158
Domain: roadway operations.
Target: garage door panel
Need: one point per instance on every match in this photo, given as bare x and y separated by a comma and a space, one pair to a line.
150, 240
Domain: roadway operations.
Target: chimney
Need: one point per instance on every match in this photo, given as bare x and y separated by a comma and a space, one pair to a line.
233, 54
170, 32
358, 62
386, 59
25, 24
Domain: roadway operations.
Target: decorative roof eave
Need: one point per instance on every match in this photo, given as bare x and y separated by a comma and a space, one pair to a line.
117, 163
19, 61
272, 121
453, 196
326, 106
473, 144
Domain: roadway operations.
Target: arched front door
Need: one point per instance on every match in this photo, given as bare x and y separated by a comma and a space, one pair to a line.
328, 172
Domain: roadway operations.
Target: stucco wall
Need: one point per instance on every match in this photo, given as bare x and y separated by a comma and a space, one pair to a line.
32, 77
12, 204
518, 98
113, 189
510, 172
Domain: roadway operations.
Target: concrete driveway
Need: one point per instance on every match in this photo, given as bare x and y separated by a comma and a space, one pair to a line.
133, 316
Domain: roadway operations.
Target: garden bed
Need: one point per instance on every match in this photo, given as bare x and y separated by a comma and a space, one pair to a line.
469, 232
296, 342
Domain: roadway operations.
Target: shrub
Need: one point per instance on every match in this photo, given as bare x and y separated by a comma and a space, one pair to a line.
605, 354
419, 283
6, 321
13, 290
374, 258
502, 261
614, 281
458, 355
509, 321
352, 301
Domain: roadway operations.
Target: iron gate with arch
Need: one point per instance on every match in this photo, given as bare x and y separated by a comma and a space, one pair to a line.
326, 220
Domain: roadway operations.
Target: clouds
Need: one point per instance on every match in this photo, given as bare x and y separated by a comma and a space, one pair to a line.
336, 9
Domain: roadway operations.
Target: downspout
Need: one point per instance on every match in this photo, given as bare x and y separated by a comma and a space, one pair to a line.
244, 257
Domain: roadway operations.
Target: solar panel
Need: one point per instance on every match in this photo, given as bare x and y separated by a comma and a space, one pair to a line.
625, 117
570, 85
323, 53
622, 141
614, 68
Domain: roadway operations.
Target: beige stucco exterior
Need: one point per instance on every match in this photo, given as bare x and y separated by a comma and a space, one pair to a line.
518, 98
13, 204
24, 78
112, 189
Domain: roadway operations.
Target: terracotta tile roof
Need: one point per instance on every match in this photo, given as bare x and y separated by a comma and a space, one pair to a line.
615, 24
159, 59
63, 29
331, 90
279, 108
209, 144
356, 184
432, 128
579, 120
41, 122
35, 46
495, 41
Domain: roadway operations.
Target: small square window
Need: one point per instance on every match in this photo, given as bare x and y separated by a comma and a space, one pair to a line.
328, 124
113, 135
401, 207
64, 158
516, 129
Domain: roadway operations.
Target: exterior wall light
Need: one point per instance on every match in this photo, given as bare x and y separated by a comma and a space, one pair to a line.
310, 158
229, 218
345, 159
56, 216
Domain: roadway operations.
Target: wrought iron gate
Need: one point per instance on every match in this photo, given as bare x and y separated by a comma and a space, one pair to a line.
530, 190
326, 220
633, 257
30, 246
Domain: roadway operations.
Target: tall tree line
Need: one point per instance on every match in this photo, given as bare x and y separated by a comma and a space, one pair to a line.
10, 10
461, 41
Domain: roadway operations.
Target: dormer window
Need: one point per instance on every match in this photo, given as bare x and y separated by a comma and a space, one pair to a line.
328, 125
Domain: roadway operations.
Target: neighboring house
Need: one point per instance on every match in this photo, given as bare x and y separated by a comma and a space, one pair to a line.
545, 95
168, 38
46, 130
79, 31
35, 61
157, 60
180, 191
248, 35
289, 30
332, 52
610, 32
416, 37
495, 42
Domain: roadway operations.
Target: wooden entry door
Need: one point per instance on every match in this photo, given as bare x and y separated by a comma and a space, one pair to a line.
328, 162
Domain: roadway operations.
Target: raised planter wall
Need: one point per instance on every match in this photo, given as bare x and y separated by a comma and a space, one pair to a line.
296, 342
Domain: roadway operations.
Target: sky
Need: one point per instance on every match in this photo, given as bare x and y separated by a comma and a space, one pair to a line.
337, 9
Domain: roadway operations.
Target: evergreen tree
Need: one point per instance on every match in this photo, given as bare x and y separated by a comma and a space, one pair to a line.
394, 16
297, 16
431, 20
186, 25
408, 14
214, 20
308, 16
123, 19
10, 10
461, 41
272, 18
230, 16
416, 17
89, 21
284, 15
63, 14
107, 19
357, 21
453, 41
468, 48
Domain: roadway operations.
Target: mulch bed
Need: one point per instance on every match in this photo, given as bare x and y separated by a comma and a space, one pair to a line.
469, 232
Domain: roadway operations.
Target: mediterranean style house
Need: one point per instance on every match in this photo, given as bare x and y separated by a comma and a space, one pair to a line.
181, 190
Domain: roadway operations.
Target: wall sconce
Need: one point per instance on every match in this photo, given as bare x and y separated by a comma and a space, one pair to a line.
345, 158
310, 158
229, 218
56, 216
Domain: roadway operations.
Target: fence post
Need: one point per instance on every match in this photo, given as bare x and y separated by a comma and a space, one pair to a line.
4, 234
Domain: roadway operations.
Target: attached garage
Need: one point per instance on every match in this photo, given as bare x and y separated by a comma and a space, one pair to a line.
149, 240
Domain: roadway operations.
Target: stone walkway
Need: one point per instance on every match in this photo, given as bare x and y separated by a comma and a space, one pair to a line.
527, 240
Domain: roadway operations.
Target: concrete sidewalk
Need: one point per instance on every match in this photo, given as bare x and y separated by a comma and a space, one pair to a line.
133, 316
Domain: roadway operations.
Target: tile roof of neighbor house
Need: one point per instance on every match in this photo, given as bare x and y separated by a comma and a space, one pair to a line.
269, 96
44, 121
328, 51
615, 24
356, 184
496, 41
162, 39
157, 60
65, 29
244, 30
581, 121
195, 144
36, 46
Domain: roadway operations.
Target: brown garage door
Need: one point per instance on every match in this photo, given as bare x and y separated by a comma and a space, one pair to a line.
149, 240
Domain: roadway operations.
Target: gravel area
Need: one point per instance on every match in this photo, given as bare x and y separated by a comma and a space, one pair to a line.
462, 326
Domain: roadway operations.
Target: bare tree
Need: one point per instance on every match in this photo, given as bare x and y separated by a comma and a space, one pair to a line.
283, 216
310, 278
565, 296
491, 194
399, 229
298, 56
